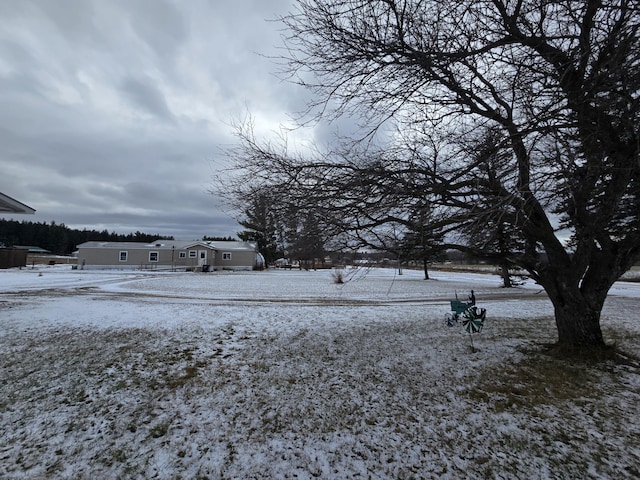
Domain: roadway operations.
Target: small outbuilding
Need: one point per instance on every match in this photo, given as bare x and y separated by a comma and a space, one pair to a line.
169, 255
13, 257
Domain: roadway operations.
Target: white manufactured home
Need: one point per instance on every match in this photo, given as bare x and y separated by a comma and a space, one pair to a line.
169, 255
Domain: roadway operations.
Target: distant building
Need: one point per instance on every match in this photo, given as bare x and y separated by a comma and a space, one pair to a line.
168, 255
33, 250
11, 257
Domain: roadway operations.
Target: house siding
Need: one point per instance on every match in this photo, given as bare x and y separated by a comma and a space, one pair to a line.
107, 255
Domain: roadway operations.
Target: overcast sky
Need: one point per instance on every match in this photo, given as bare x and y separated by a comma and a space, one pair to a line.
114, 113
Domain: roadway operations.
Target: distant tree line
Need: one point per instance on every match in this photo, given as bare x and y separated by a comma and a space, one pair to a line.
60, 239
218, 239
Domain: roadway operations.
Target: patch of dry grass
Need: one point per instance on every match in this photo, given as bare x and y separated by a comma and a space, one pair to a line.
563, 400
388, 397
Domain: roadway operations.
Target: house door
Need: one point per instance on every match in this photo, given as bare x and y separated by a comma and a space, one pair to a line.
202, 257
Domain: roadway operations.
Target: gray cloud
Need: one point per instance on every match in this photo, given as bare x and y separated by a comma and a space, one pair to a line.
159, 24
145, 95
113, 114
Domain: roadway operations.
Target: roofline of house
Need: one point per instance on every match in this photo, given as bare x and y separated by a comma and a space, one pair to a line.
169, 244
11, 205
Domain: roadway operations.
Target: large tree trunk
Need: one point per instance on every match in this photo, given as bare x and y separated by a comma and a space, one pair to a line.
425, 264
577, 313
578, 325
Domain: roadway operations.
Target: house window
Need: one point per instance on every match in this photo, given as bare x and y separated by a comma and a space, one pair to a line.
124, 255
192, 254
153, 256
183, 254
226, 256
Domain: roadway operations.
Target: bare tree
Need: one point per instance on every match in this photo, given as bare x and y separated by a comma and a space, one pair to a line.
559, 79
354, 194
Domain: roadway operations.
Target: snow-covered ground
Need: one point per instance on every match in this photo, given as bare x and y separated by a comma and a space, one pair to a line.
285, 374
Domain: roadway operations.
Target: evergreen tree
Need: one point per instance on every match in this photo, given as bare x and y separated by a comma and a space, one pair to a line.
259, 220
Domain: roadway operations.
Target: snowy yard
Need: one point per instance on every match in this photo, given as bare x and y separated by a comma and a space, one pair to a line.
284, 374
